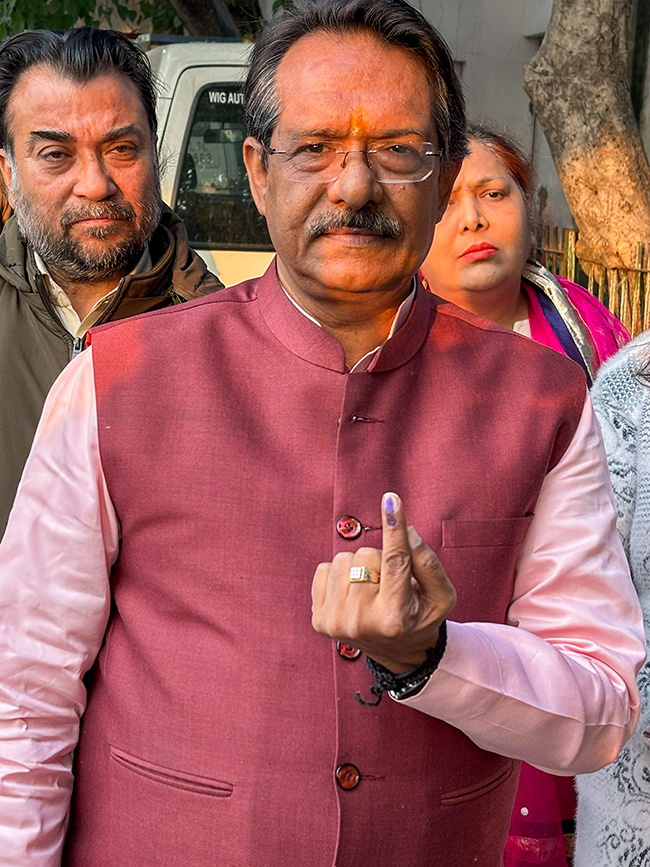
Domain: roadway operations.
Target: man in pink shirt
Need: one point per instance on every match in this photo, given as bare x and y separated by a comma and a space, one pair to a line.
194, 467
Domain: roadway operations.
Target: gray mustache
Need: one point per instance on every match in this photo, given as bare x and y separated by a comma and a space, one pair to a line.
364, 220
97, 211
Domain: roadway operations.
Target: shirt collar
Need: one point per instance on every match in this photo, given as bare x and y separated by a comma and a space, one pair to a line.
63, 306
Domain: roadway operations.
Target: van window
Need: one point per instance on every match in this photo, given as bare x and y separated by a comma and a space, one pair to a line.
213, 197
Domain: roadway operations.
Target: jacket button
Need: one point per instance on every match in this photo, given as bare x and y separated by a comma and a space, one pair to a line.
346, 651
348, 527
347, 776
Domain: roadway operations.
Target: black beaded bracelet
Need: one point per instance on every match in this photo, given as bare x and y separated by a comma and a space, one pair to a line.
403, 685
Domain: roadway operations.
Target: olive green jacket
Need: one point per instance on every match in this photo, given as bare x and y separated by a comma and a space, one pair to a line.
35, 347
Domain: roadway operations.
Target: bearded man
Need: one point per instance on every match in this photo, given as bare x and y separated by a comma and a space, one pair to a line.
90, 240
196, 464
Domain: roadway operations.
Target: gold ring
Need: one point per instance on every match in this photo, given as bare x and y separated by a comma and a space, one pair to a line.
363, 575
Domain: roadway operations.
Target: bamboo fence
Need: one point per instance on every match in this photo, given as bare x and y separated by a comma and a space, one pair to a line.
626, 292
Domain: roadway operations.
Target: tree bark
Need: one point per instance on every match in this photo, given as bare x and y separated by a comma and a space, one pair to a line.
579, 86
206, 17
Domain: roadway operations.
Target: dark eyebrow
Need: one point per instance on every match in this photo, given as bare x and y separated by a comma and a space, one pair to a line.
123, 132
37, 135
491, 179
482, 182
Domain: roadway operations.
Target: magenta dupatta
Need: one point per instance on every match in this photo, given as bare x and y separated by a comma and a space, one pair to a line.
602, 329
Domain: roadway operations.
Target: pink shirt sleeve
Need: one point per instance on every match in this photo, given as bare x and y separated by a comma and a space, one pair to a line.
555, 686
61, 540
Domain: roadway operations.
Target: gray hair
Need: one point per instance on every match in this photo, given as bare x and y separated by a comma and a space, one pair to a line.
391, 21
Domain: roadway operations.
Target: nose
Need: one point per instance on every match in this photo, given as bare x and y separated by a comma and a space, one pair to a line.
471, 218
356, 186
93, 180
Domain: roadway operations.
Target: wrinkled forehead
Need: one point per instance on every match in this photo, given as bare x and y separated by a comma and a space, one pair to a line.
45, 97
353, 84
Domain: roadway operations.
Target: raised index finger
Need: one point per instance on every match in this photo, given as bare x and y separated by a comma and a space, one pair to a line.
396, 550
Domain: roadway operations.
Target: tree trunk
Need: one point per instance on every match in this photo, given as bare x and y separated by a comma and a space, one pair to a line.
579, 86
206, 17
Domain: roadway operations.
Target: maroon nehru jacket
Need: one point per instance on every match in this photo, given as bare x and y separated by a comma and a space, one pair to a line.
239, 453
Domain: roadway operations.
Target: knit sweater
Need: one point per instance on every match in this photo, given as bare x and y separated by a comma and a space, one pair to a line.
613, 821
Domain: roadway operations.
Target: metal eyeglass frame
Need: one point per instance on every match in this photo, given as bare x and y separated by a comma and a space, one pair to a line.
345, 153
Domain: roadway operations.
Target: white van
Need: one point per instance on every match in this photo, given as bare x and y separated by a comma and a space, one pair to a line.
201, 131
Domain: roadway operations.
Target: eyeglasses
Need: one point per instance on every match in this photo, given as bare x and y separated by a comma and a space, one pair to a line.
394, 162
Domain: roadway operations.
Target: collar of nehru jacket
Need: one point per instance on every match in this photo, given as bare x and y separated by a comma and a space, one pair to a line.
304, 337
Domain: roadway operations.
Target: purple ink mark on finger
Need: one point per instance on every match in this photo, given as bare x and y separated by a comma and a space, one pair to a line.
389, 508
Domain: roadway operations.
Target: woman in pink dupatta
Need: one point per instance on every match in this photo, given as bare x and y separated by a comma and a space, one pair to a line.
479, 260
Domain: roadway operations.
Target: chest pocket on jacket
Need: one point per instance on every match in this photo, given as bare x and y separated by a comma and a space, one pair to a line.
485, 533
479, 557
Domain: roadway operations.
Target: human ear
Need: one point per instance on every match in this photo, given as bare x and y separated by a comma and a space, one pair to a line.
445, 186
257, 172
7, 175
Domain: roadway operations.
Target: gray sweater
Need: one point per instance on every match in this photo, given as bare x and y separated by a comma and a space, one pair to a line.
613, 821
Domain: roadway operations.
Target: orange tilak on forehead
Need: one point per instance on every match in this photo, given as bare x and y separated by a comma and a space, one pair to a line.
357, 122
